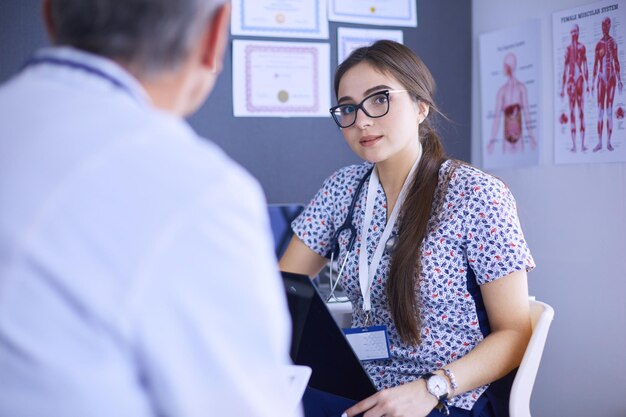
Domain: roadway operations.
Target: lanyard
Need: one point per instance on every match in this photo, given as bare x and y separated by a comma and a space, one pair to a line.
367, 272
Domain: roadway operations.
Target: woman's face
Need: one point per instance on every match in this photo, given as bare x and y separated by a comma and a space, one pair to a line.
394, 135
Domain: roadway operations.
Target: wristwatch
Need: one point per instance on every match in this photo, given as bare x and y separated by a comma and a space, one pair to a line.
438, 387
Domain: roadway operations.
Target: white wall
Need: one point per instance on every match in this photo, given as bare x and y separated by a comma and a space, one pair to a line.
574, 217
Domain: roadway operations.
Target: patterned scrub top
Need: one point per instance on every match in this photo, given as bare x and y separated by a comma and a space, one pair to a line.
474, 238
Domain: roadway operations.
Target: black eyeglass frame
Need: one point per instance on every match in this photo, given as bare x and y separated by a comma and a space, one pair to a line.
333, 110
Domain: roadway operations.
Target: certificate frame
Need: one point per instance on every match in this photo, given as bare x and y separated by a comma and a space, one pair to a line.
348, 39
374, 12
267, 18
281, 79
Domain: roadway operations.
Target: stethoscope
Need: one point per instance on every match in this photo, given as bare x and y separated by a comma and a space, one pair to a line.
38, 60
348, 226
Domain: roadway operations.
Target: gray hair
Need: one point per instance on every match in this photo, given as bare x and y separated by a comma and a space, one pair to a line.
150, 36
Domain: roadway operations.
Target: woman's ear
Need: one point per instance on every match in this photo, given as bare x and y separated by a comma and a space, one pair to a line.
423, 109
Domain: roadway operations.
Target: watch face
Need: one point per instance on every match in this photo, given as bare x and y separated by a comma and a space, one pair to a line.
437, 385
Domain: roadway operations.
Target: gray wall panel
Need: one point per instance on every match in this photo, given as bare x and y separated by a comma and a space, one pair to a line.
292, 156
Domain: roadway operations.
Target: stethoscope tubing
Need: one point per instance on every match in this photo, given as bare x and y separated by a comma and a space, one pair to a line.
38, 60
348, 225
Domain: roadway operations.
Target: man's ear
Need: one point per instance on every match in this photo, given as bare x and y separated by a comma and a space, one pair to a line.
46, 14
216, 39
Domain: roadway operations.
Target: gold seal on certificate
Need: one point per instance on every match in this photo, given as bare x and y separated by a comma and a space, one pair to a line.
283, 96
280, 18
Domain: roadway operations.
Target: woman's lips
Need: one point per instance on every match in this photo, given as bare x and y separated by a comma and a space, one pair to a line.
369, 140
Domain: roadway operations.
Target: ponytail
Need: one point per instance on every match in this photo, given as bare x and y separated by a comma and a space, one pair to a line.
406, 264
402, 286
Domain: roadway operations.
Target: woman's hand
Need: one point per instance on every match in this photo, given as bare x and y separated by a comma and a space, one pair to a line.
410, 399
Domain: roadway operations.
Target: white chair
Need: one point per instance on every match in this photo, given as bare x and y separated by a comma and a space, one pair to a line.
541, 315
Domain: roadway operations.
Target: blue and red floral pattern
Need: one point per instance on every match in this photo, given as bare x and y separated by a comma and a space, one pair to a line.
477, 227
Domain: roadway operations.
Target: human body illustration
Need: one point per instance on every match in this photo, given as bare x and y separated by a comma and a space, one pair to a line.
607, 70
512, 100
575, 75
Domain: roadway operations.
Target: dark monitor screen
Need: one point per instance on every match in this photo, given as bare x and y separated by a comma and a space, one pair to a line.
319, 343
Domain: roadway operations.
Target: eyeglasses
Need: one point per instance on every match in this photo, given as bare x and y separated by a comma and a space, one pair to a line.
375, 105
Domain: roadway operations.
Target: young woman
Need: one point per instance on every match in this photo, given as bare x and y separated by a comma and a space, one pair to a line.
439, 260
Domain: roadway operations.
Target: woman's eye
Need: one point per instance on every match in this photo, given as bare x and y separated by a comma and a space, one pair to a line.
379, 99
347, 110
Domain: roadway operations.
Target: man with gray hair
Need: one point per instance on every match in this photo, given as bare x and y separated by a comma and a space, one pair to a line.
137, 275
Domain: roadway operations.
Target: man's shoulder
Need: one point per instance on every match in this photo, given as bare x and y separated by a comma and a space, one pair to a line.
175, 167
177, 149
171, 141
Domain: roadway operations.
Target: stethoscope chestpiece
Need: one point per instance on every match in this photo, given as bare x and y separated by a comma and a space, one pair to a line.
391, 243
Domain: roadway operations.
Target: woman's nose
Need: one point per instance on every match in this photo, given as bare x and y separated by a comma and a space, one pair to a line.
362, 119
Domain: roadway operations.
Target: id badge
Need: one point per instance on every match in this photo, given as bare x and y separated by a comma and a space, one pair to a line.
369, 343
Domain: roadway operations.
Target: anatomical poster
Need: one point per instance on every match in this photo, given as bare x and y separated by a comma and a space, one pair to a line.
589, 97
510, 64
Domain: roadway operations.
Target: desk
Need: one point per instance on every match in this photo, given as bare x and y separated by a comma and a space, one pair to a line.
341, 312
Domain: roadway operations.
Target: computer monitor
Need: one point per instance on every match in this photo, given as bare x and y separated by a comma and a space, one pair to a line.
319, 343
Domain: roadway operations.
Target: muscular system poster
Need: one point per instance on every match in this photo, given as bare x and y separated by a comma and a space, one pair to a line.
589, 98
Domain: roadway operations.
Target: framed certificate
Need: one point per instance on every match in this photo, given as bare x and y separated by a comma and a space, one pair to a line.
374, 12
280, 18
281, 79
349, 39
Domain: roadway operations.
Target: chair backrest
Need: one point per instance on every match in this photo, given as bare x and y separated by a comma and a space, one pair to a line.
281, 216
541, 316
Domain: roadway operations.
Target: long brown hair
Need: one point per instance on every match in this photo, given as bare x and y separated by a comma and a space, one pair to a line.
400, 62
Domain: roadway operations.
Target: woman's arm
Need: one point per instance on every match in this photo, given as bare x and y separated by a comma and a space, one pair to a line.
301, 259
506, 301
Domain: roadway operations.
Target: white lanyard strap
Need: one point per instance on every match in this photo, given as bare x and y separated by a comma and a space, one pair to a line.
367, 272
